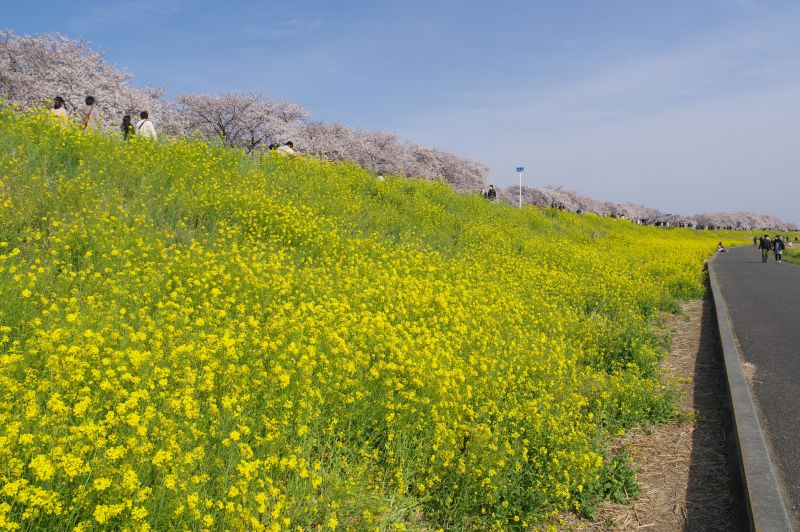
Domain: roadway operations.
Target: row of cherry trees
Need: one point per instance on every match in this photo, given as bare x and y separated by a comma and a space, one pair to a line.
35, 69
559, 197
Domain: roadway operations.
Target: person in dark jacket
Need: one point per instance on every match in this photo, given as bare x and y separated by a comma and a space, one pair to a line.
492, 193
765, 245
778, 247
126, 127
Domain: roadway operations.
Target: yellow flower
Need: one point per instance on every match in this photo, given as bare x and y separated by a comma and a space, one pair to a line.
332, 522
139, 513
42, 467
101, 484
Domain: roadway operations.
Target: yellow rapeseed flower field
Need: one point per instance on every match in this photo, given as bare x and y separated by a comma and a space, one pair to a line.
194, 338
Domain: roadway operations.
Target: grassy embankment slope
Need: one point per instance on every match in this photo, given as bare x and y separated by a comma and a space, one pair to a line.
191, 337
792, 254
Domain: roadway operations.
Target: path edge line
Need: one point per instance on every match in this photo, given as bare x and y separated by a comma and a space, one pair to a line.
766, 507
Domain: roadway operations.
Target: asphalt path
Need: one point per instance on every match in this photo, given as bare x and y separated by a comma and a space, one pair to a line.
764, 308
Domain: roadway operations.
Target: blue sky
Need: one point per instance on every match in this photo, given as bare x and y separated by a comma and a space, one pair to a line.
685, 106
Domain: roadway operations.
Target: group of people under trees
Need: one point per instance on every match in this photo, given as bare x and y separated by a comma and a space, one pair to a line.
490, 194
286, 149
90, 120
766, 244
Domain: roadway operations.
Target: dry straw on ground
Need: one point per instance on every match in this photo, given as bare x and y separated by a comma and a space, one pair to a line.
682, 467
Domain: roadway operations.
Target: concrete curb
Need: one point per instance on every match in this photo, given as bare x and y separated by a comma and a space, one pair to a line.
766, 508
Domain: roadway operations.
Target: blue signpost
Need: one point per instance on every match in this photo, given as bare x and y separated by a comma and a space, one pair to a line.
520, 169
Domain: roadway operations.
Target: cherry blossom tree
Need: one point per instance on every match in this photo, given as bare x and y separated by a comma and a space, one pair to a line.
384, 153
36, 69
461, 173
329, 140
247, 120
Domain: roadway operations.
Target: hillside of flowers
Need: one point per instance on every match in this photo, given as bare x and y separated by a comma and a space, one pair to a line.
192, 337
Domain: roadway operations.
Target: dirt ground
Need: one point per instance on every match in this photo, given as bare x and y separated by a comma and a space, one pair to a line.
682, 467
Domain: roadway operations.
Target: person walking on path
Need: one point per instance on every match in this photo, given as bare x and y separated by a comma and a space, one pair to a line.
777, 248
755, 241
90, 119
492, 193
145, 128
59, 111
765, 245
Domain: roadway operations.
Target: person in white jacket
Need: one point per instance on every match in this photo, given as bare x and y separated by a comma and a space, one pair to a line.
145, 128
287, 149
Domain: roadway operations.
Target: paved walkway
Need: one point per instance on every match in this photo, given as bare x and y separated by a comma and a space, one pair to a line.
764, 306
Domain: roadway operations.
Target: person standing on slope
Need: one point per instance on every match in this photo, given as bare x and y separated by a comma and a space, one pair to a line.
287, 149
492, 193
59, 111
126, 127
765, 245
90, 120
145, 128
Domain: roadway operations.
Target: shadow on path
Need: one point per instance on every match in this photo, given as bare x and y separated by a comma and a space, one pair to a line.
714, 497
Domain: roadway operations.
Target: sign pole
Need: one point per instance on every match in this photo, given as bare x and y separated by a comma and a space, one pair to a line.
520, 169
